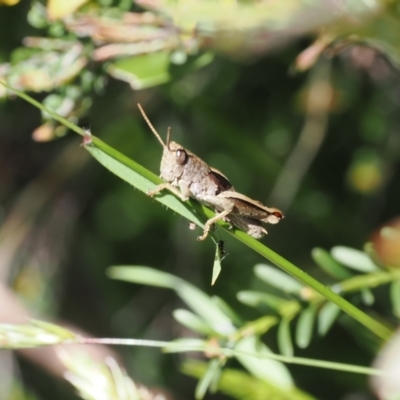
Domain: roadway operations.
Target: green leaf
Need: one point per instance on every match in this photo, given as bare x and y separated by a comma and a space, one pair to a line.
142, 71
227, 310
217, 261
367, 296
192, 63
203, 306
192, 322
278, 279
197, 300
360, 282
213, 369
324, 260
304, 327
285, 338
326, 317
258, 326
395, 297
266, 369
144, 276
213, 388
354, 259
185, 345
255, 299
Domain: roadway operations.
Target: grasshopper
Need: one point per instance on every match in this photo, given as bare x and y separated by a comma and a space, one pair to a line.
188, 176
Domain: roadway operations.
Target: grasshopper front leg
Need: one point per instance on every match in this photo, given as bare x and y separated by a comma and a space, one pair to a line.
183, 193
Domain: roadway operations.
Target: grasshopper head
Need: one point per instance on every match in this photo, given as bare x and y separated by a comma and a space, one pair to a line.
174, 155
173, 162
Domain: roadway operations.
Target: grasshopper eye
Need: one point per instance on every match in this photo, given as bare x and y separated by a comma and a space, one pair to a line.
181, 156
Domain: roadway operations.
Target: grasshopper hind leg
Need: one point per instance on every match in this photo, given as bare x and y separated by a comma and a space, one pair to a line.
211, 222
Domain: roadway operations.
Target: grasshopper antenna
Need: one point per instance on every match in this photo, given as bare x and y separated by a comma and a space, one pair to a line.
153, 129
168, 136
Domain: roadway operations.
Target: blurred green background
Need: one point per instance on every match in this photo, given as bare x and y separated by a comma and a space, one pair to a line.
321, 144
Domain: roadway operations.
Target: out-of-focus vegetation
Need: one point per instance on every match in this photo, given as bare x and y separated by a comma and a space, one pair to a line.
295, 101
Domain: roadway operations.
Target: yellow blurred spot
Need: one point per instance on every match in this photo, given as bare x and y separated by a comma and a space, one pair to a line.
307, 294
29, 284
9, 2
57, 9
35, 80
365, 177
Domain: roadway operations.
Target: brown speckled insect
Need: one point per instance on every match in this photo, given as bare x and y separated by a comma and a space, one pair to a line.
188, 176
